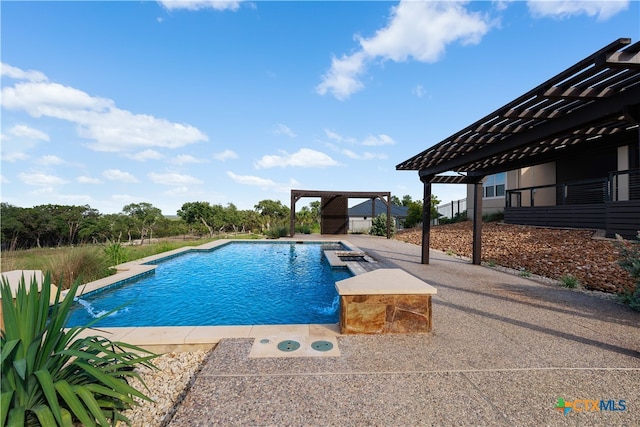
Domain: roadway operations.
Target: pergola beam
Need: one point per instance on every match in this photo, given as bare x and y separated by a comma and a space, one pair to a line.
563, 125
578, 97
591, 105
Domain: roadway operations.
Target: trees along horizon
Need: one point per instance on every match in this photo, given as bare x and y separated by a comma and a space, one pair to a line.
59, 225
272, 213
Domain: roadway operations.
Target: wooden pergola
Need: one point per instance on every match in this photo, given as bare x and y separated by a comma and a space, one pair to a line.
591, 105
296, 195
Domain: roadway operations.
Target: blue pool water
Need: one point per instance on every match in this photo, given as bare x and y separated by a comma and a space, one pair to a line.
235, 284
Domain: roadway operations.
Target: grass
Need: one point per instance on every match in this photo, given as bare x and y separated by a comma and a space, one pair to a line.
90, 262
525, 273
569, 281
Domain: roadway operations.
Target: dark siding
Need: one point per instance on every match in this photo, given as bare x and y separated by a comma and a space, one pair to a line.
621, 218
575, 216
334, 217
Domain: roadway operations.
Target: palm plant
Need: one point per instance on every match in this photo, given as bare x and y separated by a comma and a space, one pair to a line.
53, 376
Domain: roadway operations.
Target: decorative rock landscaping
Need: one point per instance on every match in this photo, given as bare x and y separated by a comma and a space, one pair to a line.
548, 252
167, 387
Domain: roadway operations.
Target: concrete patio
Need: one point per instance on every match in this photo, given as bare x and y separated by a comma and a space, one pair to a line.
502, 351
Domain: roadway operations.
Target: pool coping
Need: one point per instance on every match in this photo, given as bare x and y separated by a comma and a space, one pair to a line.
186, 338
162, 339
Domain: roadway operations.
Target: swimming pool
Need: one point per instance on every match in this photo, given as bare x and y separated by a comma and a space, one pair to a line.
239, 283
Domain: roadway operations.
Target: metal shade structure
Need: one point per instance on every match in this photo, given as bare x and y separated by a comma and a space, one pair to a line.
591, 105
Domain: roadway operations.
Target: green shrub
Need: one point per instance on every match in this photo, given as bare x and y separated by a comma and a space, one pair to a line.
569, 281
304, 229
277, 232
630, 261
116, 253
493, 217
53, 377
379, 226
459, 217
86, 263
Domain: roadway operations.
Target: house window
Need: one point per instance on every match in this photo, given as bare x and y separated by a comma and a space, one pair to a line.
494, 185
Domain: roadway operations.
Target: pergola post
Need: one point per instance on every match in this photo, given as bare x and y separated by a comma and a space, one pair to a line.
477, 221
292, 217
388, 216
426, 219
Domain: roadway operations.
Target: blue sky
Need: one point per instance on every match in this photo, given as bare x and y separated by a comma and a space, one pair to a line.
111, 103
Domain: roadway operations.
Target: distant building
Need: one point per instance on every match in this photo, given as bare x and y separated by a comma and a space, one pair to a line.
360, 215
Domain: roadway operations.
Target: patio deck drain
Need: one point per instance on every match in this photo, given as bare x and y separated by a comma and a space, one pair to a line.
288, 345
321, 345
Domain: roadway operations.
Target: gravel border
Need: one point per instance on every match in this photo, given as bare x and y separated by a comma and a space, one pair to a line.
167, 386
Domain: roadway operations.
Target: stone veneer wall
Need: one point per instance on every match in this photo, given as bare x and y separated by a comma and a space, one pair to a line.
380, 314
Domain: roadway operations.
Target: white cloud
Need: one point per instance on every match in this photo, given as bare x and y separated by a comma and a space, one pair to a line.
14, 157
281, 129
183, 159
370, 141
201, 4
40, 179
286, 188
7, 70
225, 155
49, 160
263, 183
118, 175
44, 190
419, 91
145, 155
342, 78
364, 156
88, 180
378, 140
98, 119
339, 138
173, 178
305, 157
25, 131
418, 30
4, 180
561, 9
178, 191
251, 180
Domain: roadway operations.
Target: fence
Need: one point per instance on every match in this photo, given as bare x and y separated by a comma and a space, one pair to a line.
451, 209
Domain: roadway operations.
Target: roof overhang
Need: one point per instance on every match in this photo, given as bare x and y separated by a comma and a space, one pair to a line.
593, 104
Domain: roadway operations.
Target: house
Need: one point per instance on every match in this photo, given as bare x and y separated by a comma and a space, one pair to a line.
565, 153
360, 215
